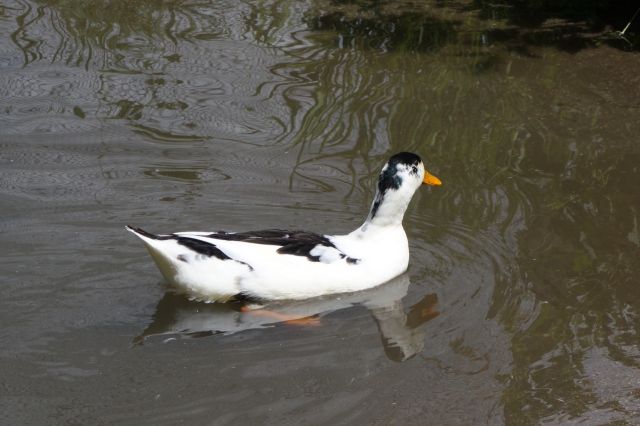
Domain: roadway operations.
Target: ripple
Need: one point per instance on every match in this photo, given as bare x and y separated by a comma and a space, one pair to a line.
165, 90
188, 175
53, 100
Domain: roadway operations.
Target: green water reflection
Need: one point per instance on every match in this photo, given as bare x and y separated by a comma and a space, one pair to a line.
537, 147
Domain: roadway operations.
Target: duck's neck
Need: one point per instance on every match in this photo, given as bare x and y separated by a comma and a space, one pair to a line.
387, 210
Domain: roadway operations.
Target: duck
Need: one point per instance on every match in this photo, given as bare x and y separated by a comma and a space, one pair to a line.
277, 264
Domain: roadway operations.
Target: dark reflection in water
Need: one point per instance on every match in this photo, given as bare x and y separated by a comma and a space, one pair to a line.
185, 115
411, 31
579, 261
401, 333
425, 26
151, 64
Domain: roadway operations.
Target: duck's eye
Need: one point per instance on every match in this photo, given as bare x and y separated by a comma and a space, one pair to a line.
415, 170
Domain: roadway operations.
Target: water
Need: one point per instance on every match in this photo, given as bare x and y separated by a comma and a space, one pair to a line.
521, 302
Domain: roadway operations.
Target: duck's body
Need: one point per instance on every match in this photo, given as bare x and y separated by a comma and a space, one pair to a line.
276, 264
280, 265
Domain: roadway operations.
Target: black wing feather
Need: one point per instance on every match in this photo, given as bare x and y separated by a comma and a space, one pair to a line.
297, 243
202, 247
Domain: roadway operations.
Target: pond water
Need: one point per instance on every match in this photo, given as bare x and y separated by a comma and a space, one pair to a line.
521, 304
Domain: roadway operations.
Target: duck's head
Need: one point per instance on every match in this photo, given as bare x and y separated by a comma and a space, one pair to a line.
399, 179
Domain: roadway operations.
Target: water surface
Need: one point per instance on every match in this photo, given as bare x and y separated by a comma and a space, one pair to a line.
520, 305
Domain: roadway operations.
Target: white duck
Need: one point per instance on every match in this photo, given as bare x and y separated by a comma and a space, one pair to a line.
283, 265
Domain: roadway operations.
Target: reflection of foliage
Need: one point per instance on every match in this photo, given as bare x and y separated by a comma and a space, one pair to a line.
267, 20
575, 286
568, 24
596, 13
561, 171
152, 63
581, 264
89, 29
407, 31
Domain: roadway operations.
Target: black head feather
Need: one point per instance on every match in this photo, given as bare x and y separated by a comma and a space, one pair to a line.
408, 158
389, 178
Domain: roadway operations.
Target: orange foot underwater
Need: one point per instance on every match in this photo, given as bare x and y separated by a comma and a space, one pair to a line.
423, 311
310, 321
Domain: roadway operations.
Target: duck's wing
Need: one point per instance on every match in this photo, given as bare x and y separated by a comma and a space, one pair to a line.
314, 247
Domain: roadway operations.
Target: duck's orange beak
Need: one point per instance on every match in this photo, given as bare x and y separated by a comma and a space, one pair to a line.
430, 179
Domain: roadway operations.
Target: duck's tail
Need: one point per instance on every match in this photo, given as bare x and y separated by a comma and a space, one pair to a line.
163, 252
144, 235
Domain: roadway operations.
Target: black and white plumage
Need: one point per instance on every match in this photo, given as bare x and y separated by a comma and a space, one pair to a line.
279, 265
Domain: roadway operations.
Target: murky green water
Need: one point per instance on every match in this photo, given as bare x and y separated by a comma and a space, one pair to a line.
183, 115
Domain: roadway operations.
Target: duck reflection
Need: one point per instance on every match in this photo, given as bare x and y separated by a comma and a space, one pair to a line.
402, 332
